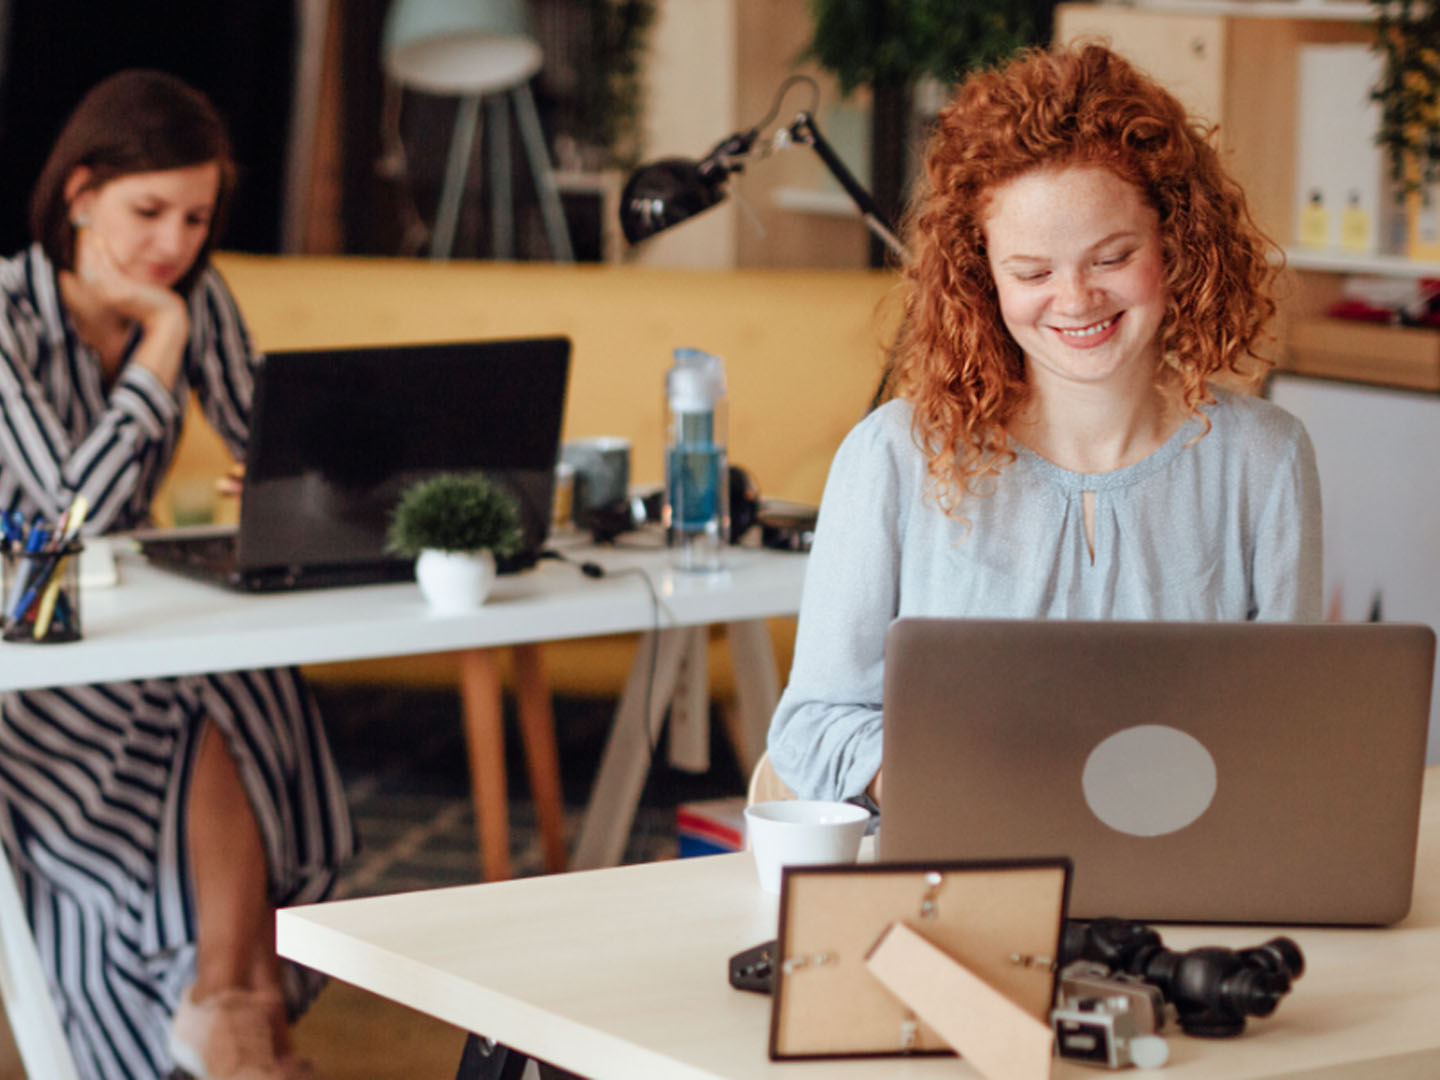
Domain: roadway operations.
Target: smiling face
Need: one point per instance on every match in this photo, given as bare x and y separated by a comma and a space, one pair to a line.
1078, 268
154, 224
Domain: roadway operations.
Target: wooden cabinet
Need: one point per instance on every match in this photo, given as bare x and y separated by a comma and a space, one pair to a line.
1236, 65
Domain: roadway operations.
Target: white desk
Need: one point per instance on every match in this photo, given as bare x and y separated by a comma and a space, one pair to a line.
156, 623
622, 973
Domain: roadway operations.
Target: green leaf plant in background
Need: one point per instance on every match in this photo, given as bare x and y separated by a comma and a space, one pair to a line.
891, 45
1407, 34
897, 42
608, 88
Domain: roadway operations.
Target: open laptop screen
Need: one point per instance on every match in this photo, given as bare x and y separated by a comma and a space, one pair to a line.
1213, 772
340, 433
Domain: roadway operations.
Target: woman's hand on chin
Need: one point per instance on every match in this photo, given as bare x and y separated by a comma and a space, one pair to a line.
154, 307
104, 289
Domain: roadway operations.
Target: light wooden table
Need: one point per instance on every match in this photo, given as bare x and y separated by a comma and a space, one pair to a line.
622, 973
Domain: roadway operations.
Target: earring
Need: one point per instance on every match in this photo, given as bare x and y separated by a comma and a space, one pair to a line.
80, 221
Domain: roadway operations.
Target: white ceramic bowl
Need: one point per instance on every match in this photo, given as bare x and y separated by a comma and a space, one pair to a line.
802, 832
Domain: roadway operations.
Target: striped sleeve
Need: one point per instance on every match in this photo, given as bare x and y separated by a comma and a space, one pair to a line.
221, 361
115, 461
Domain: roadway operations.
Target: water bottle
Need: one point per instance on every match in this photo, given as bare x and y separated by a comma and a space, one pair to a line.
697, 489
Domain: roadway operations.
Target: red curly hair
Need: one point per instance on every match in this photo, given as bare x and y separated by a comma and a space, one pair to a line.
955, 360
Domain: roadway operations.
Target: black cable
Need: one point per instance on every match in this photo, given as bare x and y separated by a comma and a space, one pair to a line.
780, 96
595, 571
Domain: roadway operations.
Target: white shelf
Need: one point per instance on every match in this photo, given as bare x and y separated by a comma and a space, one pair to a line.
813, 201
1344, 262
1345, 10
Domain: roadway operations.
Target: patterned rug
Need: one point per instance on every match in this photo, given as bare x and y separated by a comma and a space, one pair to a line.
402, 756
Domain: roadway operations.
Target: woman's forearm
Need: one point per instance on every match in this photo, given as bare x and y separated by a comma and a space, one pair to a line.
162, 343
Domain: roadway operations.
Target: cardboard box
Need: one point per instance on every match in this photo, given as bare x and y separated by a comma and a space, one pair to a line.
710, 827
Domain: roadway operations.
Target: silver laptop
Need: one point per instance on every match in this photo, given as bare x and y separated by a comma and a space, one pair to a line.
1199, 772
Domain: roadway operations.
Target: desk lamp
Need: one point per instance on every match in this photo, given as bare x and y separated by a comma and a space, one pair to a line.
477, 49
667, 192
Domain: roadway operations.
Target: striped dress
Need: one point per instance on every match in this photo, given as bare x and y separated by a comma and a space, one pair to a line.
93, 778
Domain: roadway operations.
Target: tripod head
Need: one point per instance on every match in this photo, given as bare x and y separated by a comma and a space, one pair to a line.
1213, 989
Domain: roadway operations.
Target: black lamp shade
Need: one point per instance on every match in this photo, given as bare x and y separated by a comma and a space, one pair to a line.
665, 193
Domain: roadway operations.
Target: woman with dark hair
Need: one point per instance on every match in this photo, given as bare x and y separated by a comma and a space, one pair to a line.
154, 825
1082, 272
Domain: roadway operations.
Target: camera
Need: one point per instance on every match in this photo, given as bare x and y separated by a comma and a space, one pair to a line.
1108, 1020
1213, 990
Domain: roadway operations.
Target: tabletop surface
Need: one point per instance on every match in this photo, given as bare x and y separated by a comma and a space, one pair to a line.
622, 973
156, 623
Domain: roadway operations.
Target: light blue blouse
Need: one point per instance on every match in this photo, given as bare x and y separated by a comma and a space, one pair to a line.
1223, 526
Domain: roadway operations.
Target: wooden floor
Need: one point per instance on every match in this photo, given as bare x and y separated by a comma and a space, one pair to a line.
349, 1034
396, 782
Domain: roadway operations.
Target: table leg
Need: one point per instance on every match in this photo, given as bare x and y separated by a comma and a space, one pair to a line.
626, 761
757, 685
689, 738
485, 742
542, 759
485, 1059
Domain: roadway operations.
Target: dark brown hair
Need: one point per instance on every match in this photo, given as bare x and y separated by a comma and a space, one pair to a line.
1048, 110
133, 122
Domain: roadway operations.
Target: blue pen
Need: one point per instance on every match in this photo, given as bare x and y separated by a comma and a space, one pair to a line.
15, 530
20, 598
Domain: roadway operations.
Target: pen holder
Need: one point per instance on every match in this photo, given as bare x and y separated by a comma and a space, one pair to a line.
42, 595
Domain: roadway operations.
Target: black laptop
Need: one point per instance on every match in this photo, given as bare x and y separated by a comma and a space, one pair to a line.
337, 435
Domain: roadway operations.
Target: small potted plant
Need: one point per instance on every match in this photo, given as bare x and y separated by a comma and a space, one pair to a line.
456, 525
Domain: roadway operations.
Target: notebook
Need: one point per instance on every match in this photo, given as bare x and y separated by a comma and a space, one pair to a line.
1198, 772
338, 434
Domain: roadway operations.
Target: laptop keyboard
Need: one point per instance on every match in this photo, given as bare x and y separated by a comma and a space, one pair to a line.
191, 550
212, 558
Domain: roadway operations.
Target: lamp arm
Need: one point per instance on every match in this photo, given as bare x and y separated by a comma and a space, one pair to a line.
729, 155
805, 131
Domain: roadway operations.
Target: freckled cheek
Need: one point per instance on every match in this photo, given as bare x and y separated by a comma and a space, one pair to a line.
1150, 278
1019, 311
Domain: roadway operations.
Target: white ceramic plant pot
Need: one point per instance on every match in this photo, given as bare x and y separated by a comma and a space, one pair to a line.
454, 581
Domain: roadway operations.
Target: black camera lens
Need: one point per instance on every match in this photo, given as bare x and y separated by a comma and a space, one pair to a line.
1250, 992
1280, 955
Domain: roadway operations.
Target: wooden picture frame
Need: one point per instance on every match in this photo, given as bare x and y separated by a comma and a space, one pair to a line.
1002, 920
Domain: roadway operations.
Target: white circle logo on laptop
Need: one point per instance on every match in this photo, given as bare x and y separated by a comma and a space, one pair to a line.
1149, 780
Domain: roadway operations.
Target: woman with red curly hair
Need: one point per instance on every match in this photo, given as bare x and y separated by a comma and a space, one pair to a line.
1082, 270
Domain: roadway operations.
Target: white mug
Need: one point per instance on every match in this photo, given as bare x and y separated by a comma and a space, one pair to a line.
802, 832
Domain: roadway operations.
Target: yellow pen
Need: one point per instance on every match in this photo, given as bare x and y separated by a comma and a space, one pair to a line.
74, 518
47, 601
